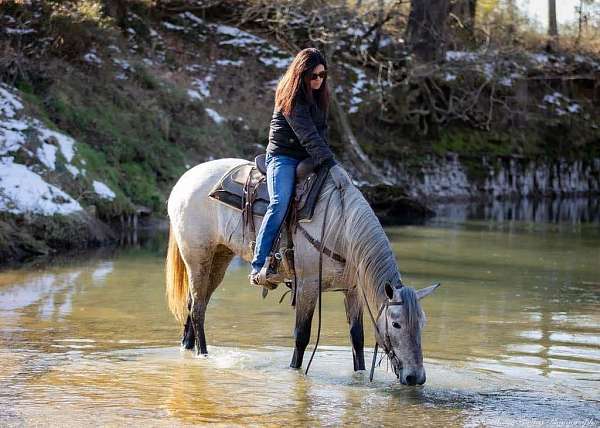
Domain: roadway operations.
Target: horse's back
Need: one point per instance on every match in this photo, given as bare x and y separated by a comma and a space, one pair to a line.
190, 193
202, 178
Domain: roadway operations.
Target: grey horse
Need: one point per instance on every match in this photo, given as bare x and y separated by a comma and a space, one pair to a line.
206, 234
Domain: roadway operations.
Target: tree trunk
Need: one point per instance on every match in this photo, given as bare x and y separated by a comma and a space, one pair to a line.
354, 153
464, 10
579, 22
426, 31
377, 37
510, 6
552, 25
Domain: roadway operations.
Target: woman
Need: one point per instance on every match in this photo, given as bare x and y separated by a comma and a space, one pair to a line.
298, 130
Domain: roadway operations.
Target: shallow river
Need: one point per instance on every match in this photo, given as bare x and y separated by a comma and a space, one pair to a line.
512, 339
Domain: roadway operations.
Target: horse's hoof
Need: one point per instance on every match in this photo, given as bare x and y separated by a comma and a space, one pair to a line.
187, 347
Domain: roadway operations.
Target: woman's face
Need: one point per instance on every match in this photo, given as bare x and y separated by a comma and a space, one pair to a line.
316, 84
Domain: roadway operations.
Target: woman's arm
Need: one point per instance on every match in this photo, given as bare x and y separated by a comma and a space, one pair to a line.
303, 126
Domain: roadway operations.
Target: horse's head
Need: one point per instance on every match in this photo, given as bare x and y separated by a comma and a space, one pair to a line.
400, 322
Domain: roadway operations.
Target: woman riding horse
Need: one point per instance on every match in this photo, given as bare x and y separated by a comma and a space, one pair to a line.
205, 235
298, 130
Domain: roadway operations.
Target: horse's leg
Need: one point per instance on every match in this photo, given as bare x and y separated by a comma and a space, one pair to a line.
306, 299
354, 315
189, 337
200, 295
208, 282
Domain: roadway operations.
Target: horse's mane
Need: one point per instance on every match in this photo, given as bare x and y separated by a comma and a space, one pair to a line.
352, 228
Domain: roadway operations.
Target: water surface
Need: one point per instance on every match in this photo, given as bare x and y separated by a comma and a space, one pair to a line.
512, 339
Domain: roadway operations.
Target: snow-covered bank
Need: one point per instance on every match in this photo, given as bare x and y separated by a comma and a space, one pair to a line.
32, 157
41, 179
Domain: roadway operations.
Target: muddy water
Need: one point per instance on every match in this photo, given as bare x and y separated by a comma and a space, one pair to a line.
512, 339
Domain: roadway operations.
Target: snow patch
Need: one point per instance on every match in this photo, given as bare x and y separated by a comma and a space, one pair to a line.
265, 52
194, 95
122, 63
461, 56
46, 153
172, 27
449, 77
73, 170
357, 87
357, 32
193, 67
92, 57
19, 30
201, 85
216, 117
272, 84
22, 190
561, 104
541, 58
103, 190
276, 62
11, 139
230, 62
9, 103
553, 98
488, 70
192, 17
66, 143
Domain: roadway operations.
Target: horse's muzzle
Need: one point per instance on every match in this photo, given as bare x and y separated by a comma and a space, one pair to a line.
412, 377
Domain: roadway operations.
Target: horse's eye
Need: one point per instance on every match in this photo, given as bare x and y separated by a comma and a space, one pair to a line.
395, 324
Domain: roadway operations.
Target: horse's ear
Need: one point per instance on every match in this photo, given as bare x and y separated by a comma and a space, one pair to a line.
389, 291
424, 292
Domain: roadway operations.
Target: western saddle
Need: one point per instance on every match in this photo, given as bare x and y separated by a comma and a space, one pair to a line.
244, 188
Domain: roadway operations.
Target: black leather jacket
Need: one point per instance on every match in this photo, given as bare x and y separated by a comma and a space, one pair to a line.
301, 134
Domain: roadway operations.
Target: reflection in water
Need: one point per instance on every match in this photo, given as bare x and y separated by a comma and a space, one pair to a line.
513, 338
546, 210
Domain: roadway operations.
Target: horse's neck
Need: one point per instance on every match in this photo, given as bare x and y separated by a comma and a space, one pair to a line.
375, 300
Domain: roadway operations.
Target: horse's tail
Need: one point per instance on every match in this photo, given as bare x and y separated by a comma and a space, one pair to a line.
177, 280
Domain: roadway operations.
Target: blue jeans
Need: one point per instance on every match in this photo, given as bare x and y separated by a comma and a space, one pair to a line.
281, 177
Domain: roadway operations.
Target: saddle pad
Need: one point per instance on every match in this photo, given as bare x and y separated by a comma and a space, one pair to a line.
230, 191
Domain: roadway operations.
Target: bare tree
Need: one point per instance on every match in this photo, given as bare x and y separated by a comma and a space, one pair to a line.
512, 26
463, 11
552, 25
426, 31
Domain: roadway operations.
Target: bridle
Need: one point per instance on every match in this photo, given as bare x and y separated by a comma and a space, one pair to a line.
386, 342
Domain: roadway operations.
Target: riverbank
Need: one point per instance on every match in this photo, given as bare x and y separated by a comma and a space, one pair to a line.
107, 107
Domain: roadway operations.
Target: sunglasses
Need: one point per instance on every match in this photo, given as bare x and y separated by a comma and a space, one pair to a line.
322, 75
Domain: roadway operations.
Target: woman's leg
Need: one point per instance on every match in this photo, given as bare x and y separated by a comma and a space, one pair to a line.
281, 177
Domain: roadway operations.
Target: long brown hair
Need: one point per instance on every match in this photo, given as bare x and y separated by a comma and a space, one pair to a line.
296, 82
